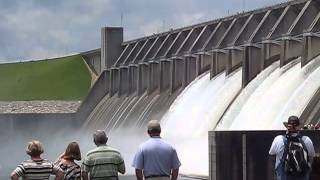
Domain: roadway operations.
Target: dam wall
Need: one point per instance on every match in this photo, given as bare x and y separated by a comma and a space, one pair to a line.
171, 60
253, 40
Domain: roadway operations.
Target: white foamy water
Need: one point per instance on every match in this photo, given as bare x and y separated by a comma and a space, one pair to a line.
302, 95
195, 112
286, 91
245, 94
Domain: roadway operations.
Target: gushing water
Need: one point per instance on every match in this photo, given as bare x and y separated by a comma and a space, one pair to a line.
195, 112
245, 94
286, 91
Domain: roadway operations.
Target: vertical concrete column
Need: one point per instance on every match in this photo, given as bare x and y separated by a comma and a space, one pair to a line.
124, 81
133, 78
219, 62
252, 63
178, 70
291, 48
143, 78
212, 156
165, 75
311, 44
192, 69
114, 81
204, 62
111, 39
235, 59
154, 77
270, 53
107, 78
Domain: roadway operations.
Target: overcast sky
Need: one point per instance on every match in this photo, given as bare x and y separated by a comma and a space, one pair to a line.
38, 29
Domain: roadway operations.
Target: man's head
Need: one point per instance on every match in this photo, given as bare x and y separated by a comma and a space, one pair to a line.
34, 148
154, 128
293, 123
100, 138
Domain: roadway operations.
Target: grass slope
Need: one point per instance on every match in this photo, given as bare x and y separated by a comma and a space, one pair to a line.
56, 79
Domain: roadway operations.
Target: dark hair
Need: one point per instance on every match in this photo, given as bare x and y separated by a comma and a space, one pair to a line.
72, 152
154, 131
100, 137
294, 120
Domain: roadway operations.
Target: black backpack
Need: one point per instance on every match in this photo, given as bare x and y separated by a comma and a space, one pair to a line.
295, 156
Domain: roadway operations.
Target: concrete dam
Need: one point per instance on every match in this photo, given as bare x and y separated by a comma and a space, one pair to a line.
145, 75
244, 72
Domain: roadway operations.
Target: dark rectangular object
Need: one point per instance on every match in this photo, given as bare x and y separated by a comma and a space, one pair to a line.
243, 155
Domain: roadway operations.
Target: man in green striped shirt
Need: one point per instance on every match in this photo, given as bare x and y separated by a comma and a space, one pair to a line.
103, 162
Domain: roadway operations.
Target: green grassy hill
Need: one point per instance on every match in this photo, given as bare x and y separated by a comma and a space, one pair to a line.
56, 79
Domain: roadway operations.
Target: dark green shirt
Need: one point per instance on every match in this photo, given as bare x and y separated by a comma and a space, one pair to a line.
103, 162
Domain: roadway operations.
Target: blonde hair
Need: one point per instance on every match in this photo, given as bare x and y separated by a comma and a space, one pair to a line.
34, 148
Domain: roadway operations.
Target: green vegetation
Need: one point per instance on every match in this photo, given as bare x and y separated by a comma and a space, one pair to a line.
56, 79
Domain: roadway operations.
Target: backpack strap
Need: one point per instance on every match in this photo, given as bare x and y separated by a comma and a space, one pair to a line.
304, 147
286, 148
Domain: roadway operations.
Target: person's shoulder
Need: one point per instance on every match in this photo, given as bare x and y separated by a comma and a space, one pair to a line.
167, 144
306, 139
112, 149
279, 137
90, 152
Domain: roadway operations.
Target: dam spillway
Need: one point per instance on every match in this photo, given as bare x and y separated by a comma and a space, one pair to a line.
271, 46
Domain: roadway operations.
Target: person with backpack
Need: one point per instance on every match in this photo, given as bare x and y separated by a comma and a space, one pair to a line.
293, 152
66, 162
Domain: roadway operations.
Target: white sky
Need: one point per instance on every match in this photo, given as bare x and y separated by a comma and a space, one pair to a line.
38, 29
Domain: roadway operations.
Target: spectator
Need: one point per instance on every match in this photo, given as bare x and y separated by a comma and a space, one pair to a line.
36, 167
66, 162
283, 146
156, 159
103, 162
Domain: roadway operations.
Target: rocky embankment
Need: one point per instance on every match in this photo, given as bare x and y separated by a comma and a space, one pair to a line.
39, 107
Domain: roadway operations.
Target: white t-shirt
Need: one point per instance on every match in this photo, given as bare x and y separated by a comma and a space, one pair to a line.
277, 148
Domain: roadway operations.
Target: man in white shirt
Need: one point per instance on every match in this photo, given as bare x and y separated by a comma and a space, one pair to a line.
278, 148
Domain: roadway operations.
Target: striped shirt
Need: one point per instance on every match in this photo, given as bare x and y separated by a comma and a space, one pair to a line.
36, 169
72, 171
103, 162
